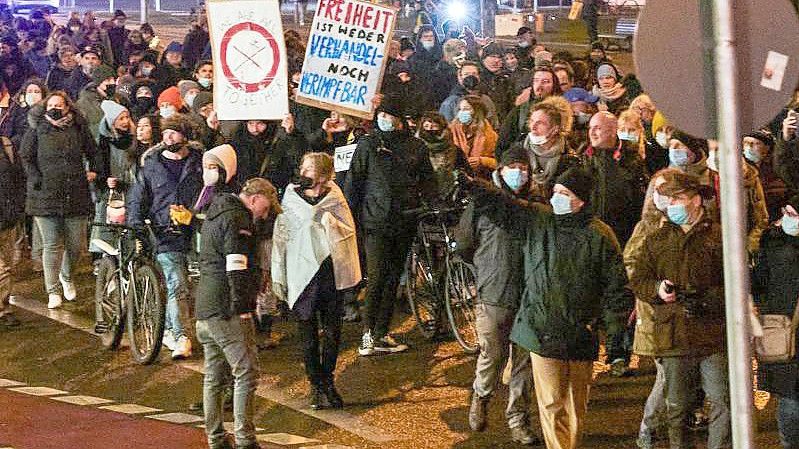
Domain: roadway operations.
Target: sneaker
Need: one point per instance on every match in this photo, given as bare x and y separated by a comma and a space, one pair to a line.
69, 289
478, 411
54, 301
389, 345
9, 320
524, 436
618, 368
367, 346
182, 348
169, 340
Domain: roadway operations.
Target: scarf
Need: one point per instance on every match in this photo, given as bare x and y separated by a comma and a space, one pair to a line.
64, 122
612, 93
543, 163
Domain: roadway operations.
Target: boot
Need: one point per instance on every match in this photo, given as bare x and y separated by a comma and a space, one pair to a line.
333, 398
478, 412
318, 398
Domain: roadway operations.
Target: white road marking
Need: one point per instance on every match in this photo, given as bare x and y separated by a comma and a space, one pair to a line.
285, 439
38, 391
10, 383
177, 418
83, 400
130, 409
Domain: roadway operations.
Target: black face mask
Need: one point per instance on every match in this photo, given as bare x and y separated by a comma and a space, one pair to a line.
471, 82
430, 136
146, 103
123, 140
303, 182
55, 114
174, 148
110, 90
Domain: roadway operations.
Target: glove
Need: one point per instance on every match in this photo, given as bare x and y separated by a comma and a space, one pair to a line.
667, 292
180, 215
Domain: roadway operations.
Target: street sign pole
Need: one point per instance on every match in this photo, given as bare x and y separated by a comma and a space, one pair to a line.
111, 6
733, 223
143, 11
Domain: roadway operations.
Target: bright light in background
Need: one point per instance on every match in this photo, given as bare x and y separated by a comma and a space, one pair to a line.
456, 10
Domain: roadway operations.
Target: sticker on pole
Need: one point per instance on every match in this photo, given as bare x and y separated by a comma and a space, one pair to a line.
774, 71
343, 157
250, 82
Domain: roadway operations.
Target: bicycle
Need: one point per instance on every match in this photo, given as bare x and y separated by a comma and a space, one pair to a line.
439, 281
129, 292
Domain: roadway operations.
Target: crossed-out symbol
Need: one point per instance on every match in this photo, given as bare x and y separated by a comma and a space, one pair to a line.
249, 56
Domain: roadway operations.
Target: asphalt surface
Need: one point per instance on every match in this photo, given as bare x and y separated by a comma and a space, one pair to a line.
418, 399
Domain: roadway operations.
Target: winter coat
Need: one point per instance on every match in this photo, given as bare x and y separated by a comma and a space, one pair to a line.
118, 37
14, 123
693, 262
306, 235
573, 277
260, 156
193, 47
388, 174
786, 163
12, 177
54, 165
498, 87
514, 126
423, 63
774, 188
481, 144
620, 182
495, 253
447, 76
89, 105
58, 77
168, 76
775, 287
541, 191
76, 83
117, 155
449, 108
154, 191
229, 277
22, 70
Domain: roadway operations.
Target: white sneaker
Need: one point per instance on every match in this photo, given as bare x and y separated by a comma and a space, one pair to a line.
53, 301
69, 289
169, 340
367, 346
182, 348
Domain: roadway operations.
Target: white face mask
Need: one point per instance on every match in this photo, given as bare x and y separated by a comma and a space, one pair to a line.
32, 99
537, 140
167, 111
713, 160
662, 139
210, 176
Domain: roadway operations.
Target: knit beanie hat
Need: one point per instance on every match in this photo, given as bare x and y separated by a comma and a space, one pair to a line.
185, 85
112, 111
406, 44
516, 154
202, 99
606, 69
658, 122
390, 104
579, 181
492, 49
696, 145
102, 73
172, 96
225, 157
766, 138
174, 47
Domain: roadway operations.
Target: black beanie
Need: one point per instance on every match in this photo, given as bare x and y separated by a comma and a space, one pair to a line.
765, 137
696, 145
392, 104
579, 181
515, 154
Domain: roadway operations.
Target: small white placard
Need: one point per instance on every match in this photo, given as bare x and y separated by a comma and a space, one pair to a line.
774, 71
343, 157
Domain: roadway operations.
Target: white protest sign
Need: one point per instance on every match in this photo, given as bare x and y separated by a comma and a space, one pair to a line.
343, 157
250, 79
346, 56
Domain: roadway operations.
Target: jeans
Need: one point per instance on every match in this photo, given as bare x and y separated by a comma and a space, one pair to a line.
654, 409
386, 254
788, 422
175, 268
682, 376
8, 238
494, 324
62, 240
229, 348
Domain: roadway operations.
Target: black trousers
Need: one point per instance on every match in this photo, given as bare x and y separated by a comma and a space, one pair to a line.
320, 326
386, 253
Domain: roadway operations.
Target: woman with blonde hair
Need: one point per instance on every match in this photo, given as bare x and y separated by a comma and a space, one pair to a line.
473, 134
632, 131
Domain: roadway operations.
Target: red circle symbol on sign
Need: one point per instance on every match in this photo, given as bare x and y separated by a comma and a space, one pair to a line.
240, 65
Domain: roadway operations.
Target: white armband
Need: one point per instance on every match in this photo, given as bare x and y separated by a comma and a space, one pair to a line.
235, 262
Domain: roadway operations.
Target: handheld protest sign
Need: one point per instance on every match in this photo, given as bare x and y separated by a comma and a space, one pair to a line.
673, 51
346, 56
250, 75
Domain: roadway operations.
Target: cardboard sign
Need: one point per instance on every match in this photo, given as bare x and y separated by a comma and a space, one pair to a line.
250, 79
343, 157
346, 56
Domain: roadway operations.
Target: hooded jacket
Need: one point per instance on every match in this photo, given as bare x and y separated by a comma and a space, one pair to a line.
54, 164
228, 268
117, 156
89, 105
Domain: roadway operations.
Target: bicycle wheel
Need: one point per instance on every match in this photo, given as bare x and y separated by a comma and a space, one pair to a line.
107, 297
146, 314
421, 291
460, 300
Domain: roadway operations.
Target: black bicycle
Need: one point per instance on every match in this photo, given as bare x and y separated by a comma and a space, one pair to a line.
441, 286
129, 292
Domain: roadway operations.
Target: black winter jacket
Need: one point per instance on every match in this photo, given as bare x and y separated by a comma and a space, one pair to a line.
54, 164
389, 173
228, 275
12, 178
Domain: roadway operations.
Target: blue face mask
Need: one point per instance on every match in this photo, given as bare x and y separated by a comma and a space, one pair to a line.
678, 214
662, 139
465, 117
790, 225
515, 178
204, 82
561, 204
385, 125
629, 137
678, 157
752, 155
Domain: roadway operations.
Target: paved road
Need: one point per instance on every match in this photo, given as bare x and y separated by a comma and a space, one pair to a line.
414, 400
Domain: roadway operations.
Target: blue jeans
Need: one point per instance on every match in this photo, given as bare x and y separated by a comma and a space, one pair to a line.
788, 422
62, 240
175, 268
654, 409
229, 348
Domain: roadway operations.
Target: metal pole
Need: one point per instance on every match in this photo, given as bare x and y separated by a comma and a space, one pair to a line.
111, 6
143, 11
733, 222
535, 6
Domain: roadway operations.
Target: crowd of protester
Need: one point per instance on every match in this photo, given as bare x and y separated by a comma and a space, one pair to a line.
590, 215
